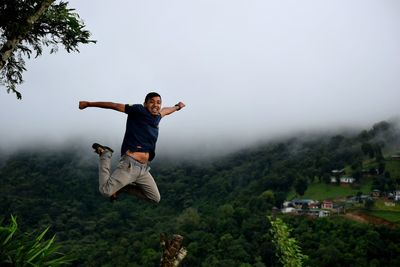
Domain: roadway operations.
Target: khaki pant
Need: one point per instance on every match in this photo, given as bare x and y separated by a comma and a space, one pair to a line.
130, 176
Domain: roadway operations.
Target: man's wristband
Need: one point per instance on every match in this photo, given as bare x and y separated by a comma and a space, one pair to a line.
178, 107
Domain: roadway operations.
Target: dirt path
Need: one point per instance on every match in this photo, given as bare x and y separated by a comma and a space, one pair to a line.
364, 218
355, 217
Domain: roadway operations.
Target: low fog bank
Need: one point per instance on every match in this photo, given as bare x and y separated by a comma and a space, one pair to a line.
182, 147
204, 148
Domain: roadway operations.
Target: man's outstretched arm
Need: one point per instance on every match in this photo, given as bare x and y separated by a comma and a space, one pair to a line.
109, 105
168, 110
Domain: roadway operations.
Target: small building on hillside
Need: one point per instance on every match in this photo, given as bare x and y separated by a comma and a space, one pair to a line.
323, 213
298, 203
397, 195
314, 205
287, 204
376, 193
347, 180
289, 210
327, 204
317, 213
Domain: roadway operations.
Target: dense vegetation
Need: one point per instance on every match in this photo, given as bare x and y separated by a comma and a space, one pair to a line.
220, 207
28, 249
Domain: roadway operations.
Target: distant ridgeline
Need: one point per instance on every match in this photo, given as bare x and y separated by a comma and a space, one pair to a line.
220, 207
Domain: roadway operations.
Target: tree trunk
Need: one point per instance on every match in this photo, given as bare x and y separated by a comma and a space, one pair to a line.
14, 39
173, 252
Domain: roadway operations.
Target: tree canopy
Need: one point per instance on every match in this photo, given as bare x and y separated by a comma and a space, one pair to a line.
28, 26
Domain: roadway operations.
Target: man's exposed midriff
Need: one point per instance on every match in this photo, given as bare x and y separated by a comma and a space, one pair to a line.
142, 157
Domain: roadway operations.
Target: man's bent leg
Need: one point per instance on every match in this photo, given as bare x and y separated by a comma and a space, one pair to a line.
122, 176
147, 187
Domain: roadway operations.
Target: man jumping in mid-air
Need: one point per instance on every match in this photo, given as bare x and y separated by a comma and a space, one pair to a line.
138, 149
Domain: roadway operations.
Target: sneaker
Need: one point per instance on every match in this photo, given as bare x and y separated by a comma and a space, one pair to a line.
99, 149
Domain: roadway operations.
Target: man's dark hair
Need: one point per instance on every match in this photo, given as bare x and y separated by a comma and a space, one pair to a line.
151, 95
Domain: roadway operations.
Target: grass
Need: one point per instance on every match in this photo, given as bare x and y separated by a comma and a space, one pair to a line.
380, 205
388, 213
322, 191
393, 167
391, 216
370, 163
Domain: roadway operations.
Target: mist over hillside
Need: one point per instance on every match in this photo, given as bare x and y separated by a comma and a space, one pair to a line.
198, 148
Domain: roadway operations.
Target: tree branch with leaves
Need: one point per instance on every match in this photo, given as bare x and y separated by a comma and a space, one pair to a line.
287, 248
27, 26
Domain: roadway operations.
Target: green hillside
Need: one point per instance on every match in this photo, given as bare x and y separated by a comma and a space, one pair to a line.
393, 167
339, 193
219, 206
321, 191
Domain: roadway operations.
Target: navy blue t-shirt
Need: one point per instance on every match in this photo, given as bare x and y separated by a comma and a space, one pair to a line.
141, 130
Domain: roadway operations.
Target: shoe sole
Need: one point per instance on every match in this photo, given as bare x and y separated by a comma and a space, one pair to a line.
96, 146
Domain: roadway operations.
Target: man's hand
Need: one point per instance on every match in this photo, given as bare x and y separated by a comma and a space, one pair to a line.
180, 105
83, 104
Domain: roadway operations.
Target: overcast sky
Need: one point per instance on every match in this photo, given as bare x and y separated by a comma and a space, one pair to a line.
247, 71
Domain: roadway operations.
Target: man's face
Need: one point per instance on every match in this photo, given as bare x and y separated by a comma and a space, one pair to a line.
153, 105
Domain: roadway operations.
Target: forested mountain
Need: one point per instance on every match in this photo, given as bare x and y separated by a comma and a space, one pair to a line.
219, 206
